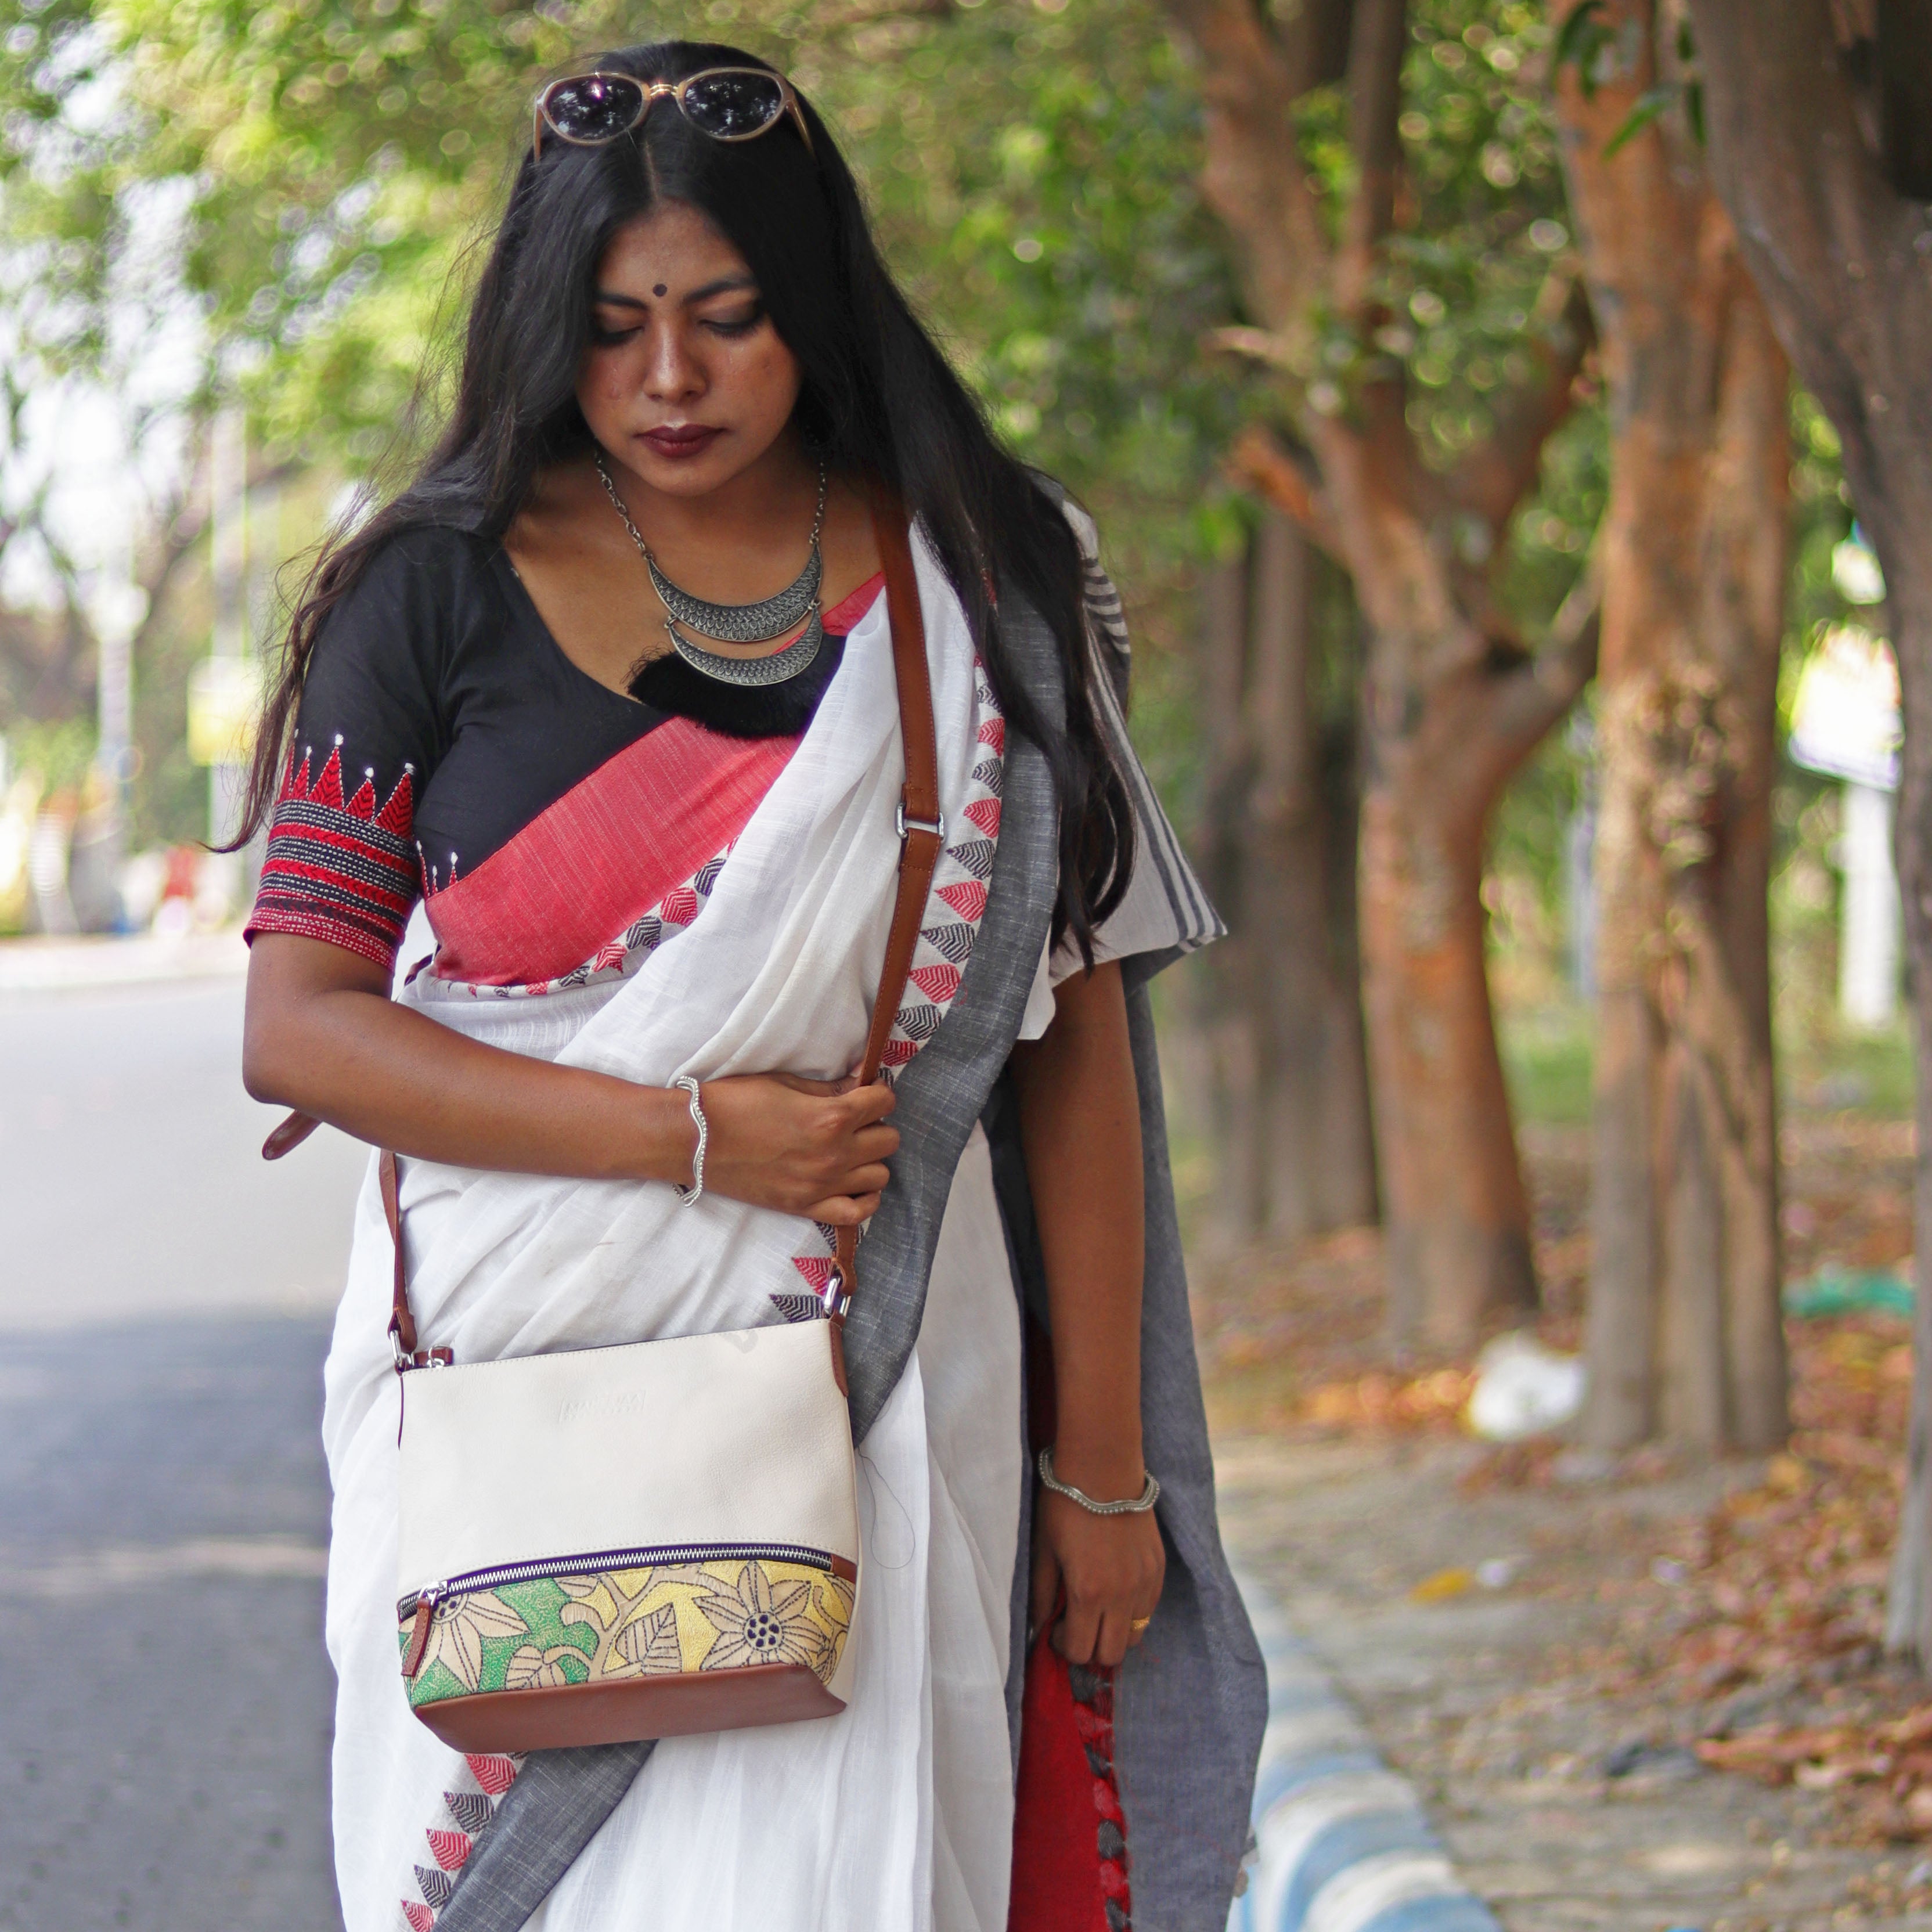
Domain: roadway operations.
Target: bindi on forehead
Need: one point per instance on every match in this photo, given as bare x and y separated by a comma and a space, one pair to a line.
661, 289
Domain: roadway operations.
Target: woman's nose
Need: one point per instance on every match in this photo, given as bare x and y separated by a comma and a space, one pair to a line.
671, 373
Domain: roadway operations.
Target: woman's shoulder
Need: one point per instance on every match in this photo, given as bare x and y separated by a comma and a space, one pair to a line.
433, 559
1106, 617
1086, 532
392, 647
416, 593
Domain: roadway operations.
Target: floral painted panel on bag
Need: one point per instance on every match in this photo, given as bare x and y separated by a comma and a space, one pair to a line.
605, 1627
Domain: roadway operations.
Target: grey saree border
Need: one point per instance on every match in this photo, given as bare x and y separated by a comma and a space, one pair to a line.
557, 1806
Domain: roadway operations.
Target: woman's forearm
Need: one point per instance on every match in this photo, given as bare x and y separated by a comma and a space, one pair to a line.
325, 1038
1080, 1129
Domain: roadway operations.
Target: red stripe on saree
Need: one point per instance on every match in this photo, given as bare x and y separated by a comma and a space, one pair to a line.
605, 852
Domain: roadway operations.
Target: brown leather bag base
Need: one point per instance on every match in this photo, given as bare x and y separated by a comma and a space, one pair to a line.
615, 1714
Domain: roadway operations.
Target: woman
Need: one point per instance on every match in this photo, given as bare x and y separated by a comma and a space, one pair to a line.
573, 687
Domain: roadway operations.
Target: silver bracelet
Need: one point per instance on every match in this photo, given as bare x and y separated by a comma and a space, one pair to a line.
691, 1195
1133, 1506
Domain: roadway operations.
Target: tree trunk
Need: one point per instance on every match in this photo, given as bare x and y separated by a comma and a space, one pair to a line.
1842, 255
1226, 973
1319, 1165
1284, 1021
1458, 1219
1451, 717
1685, 1336
1454, 702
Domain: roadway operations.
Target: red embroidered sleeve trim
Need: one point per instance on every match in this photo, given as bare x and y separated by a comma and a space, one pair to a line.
343, 873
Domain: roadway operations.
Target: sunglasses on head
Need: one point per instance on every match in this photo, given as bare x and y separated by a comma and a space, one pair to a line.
728, 103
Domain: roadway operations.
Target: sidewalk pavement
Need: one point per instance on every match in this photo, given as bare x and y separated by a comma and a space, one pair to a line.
1537, 1725
47, 965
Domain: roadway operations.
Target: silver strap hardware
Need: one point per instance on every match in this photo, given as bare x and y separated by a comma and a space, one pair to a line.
835, 1296
937, 827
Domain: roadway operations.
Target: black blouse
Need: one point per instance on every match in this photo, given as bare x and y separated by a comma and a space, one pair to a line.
439, 717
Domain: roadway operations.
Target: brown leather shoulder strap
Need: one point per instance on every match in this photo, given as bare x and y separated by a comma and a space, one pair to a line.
921, 827
922, 838
402, 1323
922, 830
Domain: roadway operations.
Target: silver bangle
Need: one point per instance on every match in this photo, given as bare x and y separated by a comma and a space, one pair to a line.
691, 1195
1132, 1506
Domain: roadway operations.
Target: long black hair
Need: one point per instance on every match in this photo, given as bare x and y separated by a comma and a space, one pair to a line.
876, 398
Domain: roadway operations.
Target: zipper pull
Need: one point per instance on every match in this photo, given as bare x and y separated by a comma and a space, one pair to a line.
426, 1604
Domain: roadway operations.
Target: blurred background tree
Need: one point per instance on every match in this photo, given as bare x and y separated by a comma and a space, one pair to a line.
1686, 1333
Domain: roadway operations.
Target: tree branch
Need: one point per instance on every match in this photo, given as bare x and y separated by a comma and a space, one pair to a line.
1377, 41
1554, 678
1315, 43
1500, 471
1263, 345
864, 16
1830, 246
1252, 176
1904, 66
182, 530
1259, 462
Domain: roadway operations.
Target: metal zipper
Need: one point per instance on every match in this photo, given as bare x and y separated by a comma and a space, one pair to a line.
607, 1559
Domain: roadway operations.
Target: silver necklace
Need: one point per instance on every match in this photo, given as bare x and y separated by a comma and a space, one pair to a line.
739, 623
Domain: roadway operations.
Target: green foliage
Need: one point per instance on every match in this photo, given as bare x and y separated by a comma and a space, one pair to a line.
60, 754
1483, 227
1587, 42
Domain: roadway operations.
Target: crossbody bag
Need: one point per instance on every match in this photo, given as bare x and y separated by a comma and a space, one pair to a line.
646, 1541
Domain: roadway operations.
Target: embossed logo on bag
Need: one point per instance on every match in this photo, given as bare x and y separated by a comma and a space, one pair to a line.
606, 1406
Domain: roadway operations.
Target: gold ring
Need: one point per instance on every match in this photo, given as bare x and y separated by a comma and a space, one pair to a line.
1137, 1624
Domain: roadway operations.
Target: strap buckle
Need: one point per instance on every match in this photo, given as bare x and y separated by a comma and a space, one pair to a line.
937, 827
423, 1358
835, 1296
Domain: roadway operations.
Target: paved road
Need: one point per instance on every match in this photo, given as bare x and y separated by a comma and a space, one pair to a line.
164, 1298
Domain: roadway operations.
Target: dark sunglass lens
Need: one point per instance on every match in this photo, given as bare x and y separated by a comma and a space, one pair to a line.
599, 107
729, 106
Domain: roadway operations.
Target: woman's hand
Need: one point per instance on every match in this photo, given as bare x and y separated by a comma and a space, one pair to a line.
1112, 1567
818, 1148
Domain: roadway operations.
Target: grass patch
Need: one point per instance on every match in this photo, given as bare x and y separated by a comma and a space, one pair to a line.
1840, 1071
1547, 1063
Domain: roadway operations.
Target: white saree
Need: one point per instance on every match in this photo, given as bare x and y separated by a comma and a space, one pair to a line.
899, 1812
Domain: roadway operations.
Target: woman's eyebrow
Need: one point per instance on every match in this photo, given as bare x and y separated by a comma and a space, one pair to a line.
723, 285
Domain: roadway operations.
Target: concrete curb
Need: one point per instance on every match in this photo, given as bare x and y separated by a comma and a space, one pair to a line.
1343, 1844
